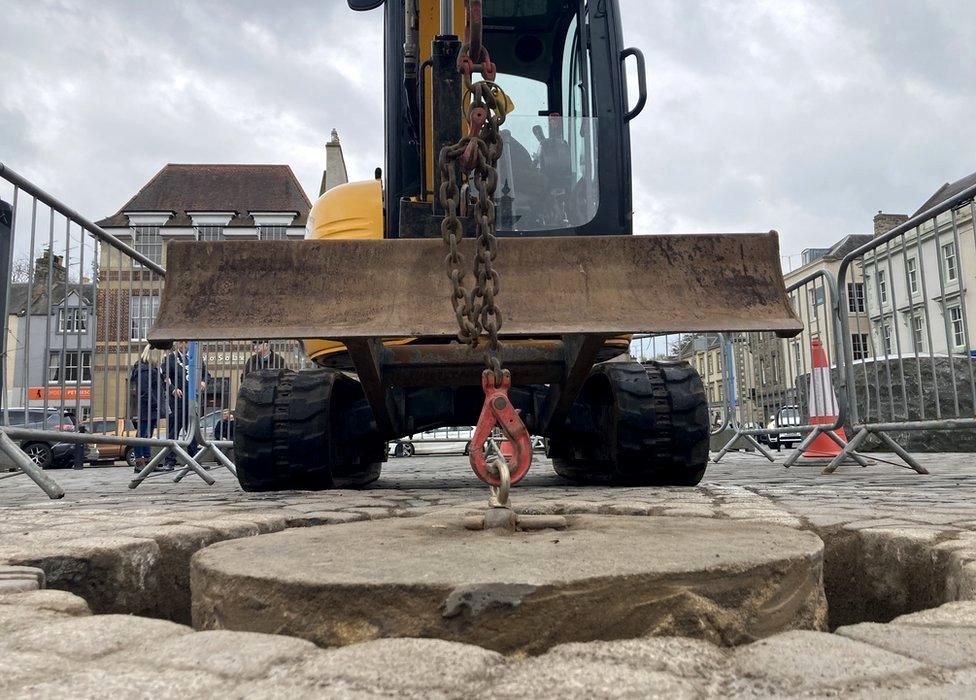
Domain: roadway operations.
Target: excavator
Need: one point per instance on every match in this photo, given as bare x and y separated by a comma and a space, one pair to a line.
487, 276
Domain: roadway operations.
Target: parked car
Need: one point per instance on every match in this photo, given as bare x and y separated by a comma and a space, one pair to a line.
208, 422
45, 454
444, 441
116, 427
440, 441
783, 418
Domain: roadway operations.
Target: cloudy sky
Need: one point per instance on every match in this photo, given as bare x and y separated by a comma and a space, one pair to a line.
806, 116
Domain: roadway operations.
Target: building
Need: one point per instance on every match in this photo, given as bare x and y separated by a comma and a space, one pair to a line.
703, 351
183, 202
50, 340
918, 299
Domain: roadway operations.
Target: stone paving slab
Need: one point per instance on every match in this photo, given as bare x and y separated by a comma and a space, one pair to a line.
602, 577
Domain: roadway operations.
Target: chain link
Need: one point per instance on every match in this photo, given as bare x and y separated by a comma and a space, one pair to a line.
475, 158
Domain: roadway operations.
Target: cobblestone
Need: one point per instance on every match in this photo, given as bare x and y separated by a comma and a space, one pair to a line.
904, 540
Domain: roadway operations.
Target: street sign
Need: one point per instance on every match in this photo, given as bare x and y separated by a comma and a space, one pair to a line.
57, 393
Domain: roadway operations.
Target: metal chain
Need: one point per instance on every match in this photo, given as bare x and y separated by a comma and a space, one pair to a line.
477, 153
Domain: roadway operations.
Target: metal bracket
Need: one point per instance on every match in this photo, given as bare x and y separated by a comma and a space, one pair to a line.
365, 354
580, 353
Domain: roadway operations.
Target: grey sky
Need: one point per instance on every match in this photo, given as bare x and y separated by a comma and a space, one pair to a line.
804, 116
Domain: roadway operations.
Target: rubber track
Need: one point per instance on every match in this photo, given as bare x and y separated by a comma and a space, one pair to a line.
280, 436
681, 430
659, 431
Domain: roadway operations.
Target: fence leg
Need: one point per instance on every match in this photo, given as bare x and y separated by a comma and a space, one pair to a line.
760, 447
901, 452
841, 444
799, 449
149, 468
184, 457
749, 438
222, 458
199, 457
854, 443
728, 446
22, 462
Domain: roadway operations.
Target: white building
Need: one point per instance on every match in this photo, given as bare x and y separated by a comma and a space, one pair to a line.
919, 287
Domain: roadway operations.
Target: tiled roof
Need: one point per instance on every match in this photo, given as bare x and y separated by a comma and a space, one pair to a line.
847, 244
946, 191
182, 188
17, 301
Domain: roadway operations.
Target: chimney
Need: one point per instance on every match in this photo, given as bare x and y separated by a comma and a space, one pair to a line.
53, 265
885, 222
335, 165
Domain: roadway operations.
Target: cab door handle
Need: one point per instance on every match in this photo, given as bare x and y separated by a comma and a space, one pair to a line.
641, 80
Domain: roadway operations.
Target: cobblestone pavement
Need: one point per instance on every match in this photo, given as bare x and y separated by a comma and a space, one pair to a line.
895, 544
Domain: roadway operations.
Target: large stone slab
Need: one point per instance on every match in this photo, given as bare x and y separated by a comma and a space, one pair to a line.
603, 578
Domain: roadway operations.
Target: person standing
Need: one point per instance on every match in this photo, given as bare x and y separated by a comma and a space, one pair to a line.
176, 376
145, 384
224, 430
262, 358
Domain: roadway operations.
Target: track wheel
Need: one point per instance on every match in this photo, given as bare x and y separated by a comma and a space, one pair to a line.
636, 424
285, 427
681, 423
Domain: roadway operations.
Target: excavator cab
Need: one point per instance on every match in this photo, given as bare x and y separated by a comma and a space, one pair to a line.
489, 279
561, 65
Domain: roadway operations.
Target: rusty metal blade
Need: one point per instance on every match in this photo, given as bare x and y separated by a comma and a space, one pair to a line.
342, 289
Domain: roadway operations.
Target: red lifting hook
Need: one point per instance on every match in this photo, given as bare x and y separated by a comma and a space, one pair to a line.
498, 410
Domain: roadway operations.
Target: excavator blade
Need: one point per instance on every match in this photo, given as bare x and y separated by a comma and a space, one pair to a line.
346, 289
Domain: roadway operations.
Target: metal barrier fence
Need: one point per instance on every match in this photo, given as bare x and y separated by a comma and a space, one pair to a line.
78, 383
909, 373
896, 330
785, 396
763, 391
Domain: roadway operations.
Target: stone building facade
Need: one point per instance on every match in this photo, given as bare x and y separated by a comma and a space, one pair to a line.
50, 340
183, 202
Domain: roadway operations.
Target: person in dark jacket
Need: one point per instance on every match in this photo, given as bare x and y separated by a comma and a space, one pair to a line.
146, 385
263, 358
224, 430
176, 378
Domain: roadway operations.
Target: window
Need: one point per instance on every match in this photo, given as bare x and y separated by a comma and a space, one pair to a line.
912, 266
68, 366
273, 233
955, 324
855, 297
797, 357
775, 369
708, 363
949, 261
918, 334
882, 287
859, 345
210, 233
762, 371
142, 313
149, 242
72, 320
886, 338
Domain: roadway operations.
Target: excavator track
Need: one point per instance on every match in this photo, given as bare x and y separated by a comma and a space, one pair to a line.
636, 424
285, 423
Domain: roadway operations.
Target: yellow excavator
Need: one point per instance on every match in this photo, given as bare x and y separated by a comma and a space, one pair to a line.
488, 276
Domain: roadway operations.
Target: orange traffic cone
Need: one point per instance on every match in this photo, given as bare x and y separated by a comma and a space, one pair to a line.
823, 406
